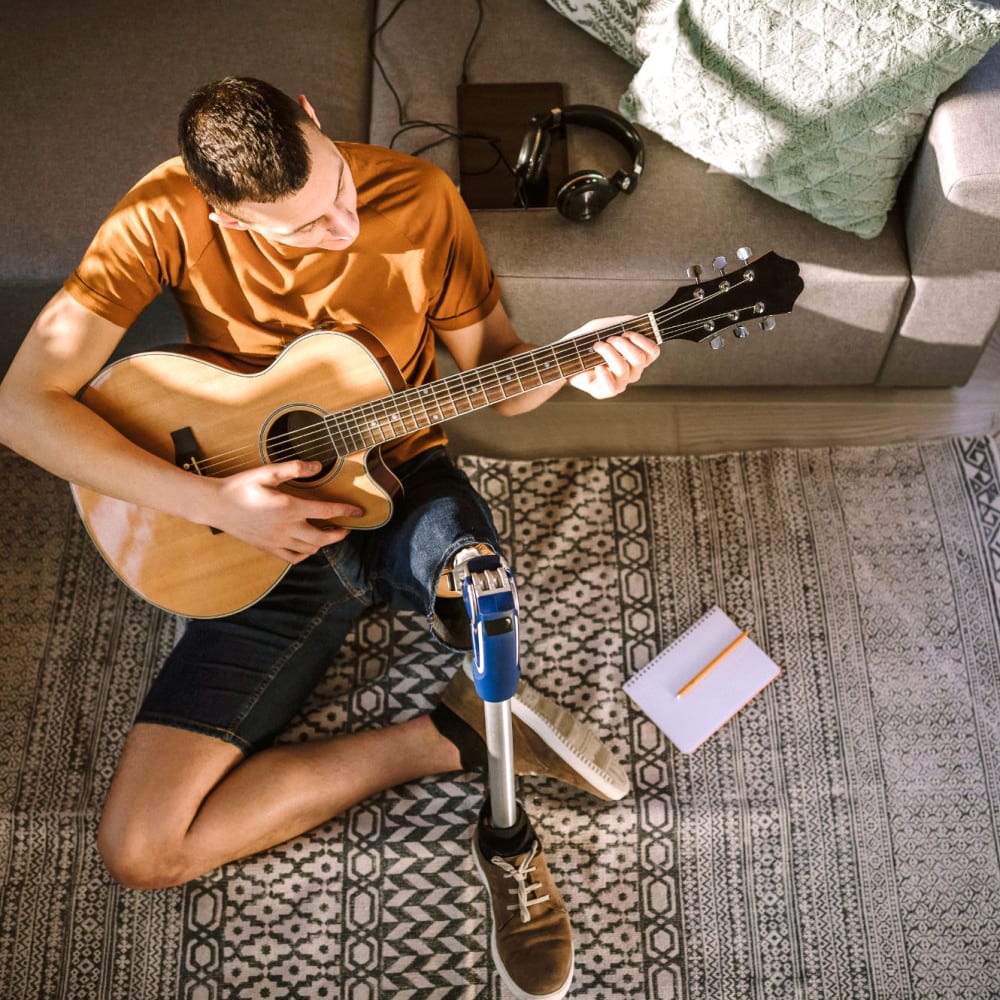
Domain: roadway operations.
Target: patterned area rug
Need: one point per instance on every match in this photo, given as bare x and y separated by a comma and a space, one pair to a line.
838, 839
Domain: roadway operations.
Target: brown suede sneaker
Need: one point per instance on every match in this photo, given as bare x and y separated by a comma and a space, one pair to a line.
531, 940
548, 740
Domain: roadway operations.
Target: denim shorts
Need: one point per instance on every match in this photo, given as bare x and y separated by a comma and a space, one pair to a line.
242, 678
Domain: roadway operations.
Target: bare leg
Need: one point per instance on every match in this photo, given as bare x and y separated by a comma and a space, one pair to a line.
182, 804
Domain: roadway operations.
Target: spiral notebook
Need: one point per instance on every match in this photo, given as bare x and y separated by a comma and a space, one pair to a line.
701, 680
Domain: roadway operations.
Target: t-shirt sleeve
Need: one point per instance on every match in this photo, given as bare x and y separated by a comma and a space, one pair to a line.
132, 257
467, 288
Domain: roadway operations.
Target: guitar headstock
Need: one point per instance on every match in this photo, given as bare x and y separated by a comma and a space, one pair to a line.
747, 297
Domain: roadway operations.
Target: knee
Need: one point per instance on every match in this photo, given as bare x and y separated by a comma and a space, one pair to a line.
136, 859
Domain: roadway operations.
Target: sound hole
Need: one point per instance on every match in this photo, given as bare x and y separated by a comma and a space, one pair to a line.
300, 434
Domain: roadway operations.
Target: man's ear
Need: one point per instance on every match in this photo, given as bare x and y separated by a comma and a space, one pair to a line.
226, 221
309, 110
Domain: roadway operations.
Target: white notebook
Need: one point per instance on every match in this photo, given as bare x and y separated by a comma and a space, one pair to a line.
701, 680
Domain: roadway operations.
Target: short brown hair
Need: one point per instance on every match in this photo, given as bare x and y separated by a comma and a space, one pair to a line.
242, 139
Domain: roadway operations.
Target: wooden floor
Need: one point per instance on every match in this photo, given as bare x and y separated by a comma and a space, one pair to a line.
703, 421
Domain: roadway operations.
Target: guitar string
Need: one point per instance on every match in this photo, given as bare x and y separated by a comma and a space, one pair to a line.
424, 397
372, 423
563, 353
364, 426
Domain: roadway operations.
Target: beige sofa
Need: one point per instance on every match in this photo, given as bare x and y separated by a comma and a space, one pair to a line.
92, 98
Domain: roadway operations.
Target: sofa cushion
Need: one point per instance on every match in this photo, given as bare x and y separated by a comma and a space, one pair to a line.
819, 104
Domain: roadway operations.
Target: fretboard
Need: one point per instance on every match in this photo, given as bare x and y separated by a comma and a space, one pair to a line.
400, 413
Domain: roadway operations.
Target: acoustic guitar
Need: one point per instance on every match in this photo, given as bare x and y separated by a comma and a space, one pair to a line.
335, 397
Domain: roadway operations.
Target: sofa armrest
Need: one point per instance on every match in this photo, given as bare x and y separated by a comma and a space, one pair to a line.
951, 210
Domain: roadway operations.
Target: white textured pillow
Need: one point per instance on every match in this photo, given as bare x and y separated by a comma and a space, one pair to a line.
818, 103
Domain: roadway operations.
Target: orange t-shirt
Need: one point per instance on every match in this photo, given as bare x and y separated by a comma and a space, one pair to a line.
417, 265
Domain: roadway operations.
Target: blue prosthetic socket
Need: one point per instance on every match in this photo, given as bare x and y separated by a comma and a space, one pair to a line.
491, 603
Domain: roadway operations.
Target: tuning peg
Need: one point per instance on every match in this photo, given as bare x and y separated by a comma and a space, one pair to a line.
695, 271
717, 341
720, 264
741, 331
768, 323
744, 254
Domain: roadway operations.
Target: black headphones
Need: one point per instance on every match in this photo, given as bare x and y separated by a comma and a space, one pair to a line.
584, 194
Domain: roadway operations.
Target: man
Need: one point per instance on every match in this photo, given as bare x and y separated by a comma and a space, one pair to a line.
265, 229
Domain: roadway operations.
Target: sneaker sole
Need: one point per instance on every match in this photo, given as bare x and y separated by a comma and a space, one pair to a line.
569, 739
516, 990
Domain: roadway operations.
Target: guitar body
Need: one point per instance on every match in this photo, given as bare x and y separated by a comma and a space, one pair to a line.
236, 420
335, 397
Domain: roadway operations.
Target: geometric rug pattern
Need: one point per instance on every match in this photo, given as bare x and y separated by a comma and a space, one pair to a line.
839, 838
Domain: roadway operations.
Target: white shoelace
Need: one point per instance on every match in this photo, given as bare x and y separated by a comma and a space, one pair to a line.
524, 888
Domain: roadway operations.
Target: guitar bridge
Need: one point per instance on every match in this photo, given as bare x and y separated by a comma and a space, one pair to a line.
187, 455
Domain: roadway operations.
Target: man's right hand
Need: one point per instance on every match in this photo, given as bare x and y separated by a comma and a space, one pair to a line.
42, 419
252, 507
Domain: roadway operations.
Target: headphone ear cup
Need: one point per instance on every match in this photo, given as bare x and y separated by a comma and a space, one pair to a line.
584, 195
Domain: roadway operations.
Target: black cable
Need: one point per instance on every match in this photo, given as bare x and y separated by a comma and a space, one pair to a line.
373, 38
450, 131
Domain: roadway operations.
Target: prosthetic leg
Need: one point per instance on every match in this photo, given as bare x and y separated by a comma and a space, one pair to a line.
531, 941
491, 603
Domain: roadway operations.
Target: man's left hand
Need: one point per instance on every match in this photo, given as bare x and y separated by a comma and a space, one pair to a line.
626, 356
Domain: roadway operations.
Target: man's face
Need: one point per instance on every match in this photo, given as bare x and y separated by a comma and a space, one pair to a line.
323, 213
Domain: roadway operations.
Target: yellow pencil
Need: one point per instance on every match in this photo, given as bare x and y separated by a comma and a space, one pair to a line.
711, 663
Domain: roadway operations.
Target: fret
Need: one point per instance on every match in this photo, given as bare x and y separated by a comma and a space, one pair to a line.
482, 398
377, 422
384, 423
336, 441
429, 405
493, 390
392, 419
548, 370
360, 429
398, 426
560, 359
447, 408
373, 432
537, 379
346, 428
408, 419
351, 440
324, 424
407, 397
531, 378
373, 426
575, 364
506, 374
469, 403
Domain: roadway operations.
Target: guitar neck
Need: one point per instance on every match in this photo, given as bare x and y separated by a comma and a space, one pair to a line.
398, 414
758, 290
